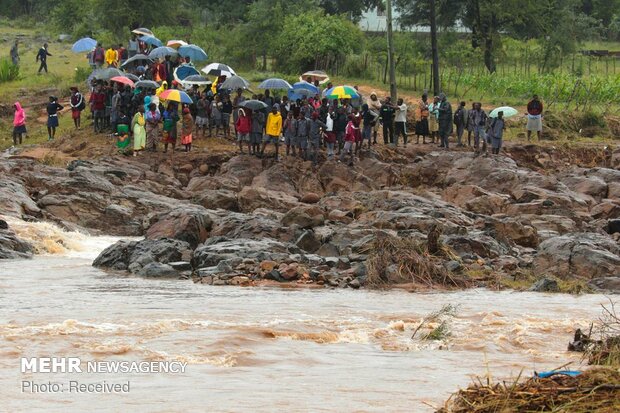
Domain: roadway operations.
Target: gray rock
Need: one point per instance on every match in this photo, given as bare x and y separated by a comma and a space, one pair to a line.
453, 266
307, 241
355, 283
157, 270
545, 285
610, 284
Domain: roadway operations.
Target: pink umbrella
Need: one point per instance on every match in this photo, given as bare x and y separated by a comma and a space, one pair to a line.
124, 80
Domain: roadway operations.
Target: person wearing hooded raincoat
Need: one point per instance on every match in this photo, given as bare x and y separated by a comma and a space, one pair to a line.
138, 126
19, 123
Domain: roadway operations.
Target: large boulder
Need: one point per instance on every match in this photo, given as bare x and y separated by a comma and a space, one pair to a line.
132, 256
304, 216
218, 199
584, 255
190, 223
220, 249
251, 198
11, 247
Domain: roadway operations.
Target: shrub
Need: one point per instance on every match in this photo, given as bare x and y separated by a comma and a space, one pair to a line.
8, 71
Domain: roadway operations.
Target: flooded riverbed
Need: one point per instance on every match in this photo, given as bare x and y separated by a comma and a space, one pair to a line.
259, 349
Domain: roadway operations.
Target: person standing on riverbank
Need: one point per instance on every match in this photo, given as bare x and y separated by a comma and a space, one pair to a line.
152, 128
478, 118
496, 132
421, 117
534, 117
187, 127
138, 125
433, 115
400, 122
53, 107
19, 123
460, 121
445, 121
387, 120
273, 129
243, 126
42, 57
374, 104
77, 106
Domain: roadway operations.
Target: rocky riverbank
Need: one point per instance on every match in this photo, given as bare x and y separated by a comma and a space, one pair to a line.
451, 219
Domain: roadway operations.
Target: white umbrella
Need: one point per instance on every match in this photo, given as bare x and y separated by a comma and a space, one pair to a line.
218, 69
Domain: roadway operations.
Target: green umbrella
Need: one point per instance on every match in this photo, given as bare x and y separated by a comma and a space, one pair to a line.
508, 111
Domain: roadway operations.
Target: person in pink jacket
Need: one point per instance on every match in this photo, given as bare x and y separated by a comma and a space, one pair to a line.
19, 123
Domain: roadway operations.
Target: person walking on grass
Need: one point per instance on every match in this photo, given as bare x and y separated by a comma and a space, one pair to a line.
273, 129
53, 107
534, 117
243, 126
42, 57
421, 117
19, 123
496, 132
77, 106
187, 127
460, 121
400, 122
445, 121
138, 127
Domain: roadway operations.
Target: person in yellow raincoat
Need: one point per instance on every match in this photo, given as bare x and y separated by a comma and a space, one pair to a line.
111, 57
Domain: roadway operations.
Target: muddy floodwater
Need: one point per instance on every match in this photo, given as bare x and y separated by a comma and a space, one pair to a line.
259, 349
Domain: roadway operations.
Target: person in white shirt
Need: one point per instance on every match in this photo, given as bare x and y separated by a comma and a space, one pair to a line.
400, 122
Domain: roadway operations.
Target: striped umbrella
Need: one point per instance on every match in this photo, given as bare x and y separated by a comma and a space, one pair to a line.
175, 95
342, 92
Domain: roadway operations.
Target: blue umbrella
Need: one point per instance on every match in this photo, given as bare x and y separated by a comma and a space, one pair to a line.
194, 52
305, 88
183, 71
275, 83
84, 45
161, 52
152, 40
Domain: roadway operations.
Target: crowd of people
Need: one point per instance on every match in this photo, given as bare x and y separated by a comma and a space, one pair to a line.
305, 126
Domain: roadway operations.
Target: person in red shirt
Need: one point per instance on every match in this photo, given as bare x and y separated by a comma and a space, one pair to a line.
97, 102
243, 127
534, 117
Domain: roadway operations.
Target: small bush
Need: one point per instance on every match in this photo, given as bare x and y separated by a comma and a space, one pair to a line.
81, 74
8, 71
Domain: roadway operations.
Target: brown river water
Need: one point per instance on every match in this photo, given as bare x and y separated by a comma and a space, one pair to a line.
259, 349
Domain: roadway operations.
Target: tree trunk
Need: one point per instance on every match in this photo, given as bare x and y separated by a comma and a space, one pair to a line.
264, 61
489, 60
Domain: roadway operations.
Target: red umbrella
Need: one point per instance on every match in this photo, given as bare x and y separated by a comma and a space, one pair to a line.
124, 80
